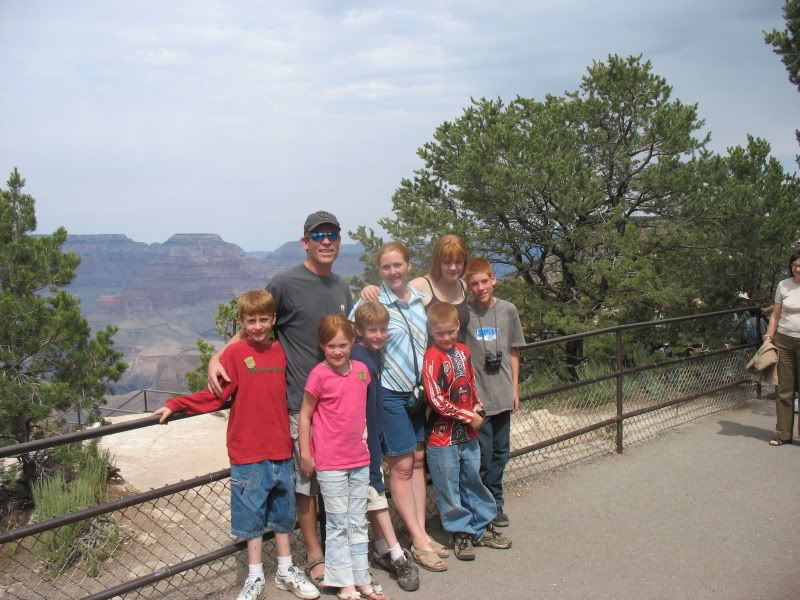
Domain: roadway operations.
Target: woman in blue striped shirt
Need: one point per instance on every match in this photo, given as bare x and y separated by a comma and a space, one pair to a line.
404, 434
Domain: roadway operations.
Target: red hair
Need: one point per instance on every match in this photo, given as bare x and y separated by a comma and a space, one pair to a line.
442, 313
332, 325
478, 265
392, 247
447, 247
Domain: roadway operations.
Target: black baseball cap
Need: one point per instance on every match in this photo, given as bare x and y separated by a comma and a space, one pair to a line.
321, 217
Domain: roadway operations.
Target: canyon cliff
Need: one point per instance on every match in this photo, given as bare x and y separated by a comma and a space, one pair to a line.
163, 297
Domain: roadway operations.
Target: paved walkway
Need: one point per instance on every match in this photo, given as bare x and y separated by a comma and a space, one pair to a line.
709, 510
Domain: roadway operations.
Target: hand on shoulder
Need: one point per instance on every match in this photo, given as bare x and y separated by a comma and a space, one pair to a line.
420, 284
370, 293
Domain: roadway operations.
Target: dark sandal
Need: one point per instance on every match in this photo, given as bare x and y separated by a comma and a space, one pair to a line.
317, 581
777, 442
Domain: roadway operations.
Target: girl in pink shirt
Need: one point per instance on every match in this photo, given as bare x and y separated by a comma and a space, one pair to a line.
335, 402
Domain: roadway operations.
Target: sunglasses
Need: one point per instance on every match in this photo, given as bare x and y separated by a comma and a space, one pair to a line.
318, 236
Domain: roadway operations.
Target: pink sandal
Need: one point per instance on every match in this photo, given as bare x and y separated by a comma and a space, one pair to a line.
373, 591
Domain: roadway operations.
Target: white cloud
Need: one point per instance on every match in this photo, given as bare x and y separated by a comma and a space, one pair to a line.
149, 118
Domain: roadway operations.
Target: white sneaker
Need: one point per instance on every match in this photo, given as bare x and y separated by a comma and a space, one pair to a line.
253, 586
296, 583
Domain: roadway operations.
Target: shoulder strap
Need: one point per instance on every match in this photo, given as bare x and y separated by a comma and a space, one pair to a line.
430, 287
411, 341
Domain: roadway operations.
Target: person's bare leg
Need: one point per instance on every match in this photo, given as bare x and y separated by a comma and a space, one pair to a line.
307, 518
282, 544
400, 482
382, 528
254, 547
419, 486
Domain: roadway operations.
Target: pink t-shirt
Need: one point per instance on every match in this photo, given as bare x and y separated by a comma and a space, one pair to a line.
339, 423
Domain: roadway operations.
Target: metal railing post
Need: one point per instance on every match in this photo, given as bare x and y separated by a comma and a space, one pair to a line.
145, 402
619, 390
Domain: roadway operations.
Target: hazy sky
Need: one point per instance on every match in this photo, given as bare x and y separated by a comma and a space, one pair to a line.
152, 118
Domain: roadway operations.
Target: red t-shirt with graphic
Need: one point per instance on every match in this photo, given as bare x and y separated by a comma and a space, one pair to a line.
258, 425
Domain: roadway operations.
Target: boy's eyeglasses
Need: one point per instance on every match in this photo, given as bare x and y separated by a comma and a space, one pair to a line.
318, 236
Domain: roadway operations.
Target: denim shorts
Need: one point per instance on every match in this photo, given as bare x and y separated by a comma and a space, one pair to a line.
401, 431
262, 497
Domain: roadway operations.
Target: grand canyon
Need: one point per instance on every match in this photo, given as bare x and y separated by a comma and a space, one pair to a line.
163, 297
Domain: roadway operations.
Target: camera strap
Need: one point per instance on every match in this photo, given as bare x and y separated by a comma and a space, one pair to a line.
483, 335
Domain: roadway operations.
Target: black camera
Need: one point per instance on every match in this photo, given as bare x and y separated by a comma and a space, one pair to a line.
493, 361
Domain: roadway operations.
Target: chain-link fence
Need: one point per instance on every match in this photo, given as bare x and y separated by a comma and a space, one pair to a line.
173, 542
131, 539
708, 384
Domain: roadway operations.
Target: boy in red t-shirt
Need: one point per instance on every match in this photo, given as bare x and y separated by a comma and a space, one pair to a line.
466, 507
259, 446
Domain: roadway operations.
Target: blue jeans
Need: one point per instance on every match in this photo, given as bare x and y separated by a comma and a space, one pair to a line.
262, 496
494, 439
465, 505
345, 494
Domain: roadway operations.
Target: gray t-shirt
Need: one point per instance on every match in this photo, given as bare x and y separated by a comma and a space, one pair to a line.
495, 329
302, 298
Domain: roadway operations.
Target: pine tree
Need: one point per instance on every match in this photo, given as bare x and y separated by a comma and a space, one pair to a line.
49, 360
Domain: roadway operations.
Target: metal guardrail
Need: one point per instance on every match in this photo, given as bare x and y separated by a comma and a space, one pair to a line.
557, 426
143, 393
96, 411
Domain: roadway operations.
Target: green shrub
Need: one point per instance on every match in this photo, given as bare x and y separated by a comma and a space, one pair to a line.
102, 538
53, 496
84, 541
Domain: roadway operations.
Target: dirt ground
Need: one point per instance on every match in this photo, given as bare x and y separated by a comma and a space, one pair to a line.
155, 456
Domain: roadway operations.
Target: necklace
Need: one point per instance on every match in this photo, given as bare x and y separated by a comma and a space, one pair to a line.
344, 373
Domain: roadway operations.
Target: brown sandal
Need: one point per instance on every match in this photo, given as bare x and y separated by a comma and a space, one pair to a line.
428, 560
317, 581
441, 550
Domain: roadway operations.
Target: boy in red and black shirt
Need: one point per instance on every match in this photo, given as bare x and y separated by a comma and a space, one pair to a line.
466, 507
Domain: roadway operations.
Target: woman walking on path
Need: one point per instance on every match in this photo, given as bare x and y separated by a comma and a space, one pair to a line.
784, 332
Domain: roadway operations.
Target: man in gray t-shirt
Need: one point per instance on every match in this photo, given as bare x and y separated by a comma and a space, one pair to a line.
303, 295
302, 298
494, 336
